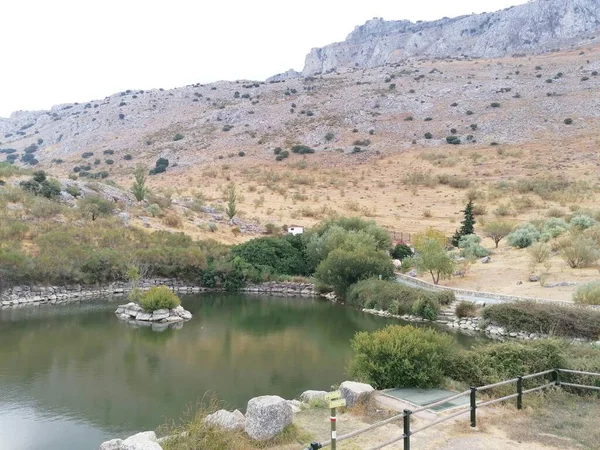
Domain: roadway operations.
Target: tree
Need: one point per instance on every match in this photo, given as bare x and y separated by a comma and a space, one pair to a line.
401, 251
467, 225
420, 239
434, 258
139, 189
342, 267
498, 230
95, 206
231, 194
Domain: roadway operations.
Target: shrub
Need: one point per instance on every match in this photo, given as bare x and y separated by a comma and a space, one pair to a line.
428, 136
546, 318
160, 166
582, 222
110, 162
401, 251
523, 236
568, 121
446, 297
588, 294
454, 140
172, 220
539, 252
426, 307
400, 356
87, 155
302, 149
128, 157
495, 105
553, 228
578, 250
283, 255
385, 295
470, 246
73, 190
277, 150
466, 309
178, 137
159, 297
329, 136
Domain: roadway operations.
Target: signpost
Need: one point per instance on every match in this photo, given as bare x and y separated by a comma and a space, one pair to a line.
335, 401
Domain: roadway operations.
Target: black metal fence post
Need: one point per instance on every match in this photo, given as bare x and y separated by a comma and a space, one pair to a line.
520, 393
473, 406
556, 377
406, 420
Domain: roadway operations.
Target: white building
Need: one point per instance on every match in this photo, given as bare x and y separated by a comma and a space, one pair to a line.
295, 229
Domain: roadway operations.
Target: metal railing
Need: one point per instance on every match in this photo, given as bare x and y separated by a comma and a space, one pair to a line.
474, 405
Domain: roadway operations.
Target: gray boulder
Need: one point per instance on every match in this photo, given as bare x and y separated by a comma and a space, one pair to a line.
267, 416
141, 441
486, 259
354, 392
309, 396
228, 420
160, 314
113, 444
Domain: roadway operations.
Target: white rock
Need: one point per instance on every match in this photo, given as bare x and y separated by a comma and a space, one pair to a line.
113, 444
309, 396
353, 392
267, 416
141, 441
228, 420
160, 314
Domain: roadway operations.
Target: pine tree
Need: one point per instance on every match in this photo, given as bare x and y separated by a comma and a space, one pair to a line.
467, 225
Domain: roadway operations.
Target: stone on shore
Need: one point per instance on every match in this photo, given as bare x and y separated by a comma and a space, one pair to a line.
309, 396
226, 419
141, 441
113, 444
134, 312
353, 392
267, 416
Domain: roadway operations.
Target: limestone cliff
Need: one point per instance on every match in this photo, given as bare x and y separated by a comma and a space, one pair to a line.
534, 27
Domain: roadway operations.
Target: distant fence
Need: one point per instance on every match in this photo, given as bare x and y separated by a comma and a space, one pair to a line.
474, 405
400, 236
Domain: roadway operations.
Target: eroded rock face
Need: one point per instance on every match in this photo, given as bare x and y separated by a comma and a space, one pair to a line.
534, 27
267, 416
354, 392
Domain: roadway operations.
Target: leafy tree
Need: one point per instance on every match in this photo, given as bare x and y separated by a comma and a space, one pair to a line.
432, 257
342, 267
420, 239
498, 230
231, 193
282, 255
401, 251
467, 225
96, 206
139, 188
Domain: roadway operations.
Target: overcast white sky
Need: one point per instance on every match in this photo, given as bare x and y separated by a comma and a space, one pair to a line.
61, 51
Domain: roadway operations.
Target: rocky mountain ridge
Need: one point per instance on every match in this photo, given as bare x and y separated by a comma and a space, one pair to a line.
535, 27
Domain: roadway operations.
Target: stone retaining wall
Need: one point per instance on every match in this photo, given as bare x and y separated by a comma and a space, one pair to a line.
36, 295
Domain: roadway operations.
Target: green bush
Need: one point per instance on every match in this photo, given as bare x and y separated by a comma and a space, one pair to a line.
178, 137
159, 297
283, 255
578, 250
302, 149
426, 307
582, 221
523, 236
446, 297
471, 247
545, 318
428, 135
401, 251
466, 309
553, 227
588, 294
400, 356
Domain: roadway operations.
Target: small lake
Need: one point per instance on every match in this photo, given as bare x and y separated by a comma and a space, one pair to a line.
72, 376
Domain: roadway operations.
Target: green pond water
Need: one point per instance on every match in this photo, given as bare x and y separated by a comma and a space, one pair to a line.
72, 376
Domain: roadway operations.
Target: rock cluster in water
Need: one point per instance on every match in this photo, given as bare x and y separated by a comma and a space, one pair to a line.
133, 311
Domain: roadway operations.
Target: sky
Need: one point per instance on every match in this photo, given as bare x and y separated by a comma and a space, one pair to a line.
65, 51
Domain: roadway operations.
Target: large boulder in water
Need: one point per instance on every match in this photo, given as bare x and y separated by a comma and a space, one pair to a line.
228, 420
113, 444
353, 392
267, 416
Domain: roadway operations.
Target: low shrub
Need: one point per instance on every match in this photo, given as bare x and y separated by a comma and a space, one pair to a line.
471, 247
588, 294
400, 356
446, 297
582, 221
302, 149
178, 137
523, 236
465, 309
539, 252
159, 297
401, 251
578, 250
426, 307
545, 318
172, 220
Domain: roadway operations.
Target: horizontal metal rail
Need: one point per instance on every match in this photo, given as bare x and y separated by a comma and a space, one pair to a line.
501, 383
497, 400
582, 386
343, 437
441, 402
539, 388
539, 374
579, 372
444, 419
390, 442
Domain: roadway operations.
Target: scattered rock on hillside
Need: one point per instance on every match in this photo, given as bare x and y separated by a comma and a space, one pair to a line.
267, 416
354, 392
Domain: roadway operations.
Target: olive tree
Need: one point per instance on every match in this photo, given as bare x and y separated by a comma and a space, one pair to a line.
498, 230
432, 257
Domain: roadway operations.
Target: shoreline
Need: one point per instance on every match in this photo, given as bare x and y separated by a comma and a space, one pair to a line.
20, 296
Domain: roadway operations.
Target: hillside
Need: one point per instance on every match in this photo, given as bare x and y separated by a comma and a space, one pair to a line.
525, 145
